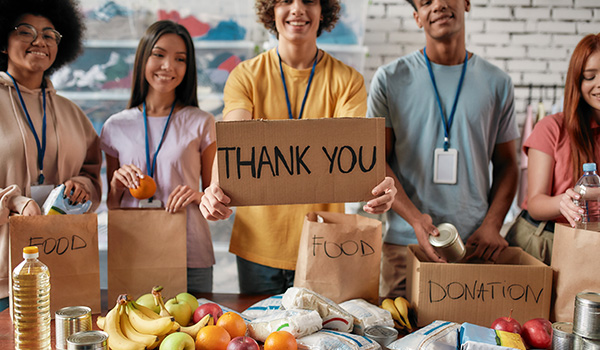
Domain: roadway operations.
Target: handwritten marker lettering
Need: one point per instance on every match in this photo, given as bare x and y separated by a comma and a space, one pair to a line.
482, 291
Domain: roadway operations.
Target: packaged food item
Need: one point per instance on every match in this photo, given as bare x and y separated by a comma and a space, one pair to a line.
264, 307
334, 317
366, 315
474, 337
326, 339
438, 335
448, 244
58, 204
299, 323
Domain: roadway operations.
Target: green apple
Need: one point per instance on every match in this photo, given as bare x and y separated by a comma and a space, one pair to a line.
147, 300
188, 298
180, 310
178, 341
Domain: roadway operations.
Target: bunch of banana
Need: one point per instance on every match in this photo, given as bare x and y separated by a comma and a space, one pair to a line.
131, 326
403, 314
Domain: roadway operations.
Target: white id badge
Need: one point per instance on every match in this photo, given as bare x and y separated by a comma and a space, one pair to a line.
445, 165
145, 203
39, 193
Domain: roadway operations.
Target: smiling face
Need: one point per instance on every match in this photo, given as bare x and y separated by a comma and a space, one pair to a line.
590, 83
441, 20
297, 20
28, 60
166, 65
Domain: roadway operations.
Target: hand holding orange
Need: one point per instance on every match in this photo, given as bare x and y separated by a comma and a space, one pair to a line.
145, 190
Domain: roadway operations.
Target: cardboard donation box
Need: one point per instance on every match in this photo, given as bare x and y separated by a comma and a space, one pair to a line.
479, 293
329, 160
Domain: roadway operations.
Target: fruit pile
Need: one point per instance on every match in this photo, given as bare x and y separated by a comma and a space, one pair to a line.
536, 333
180, 324
405, 317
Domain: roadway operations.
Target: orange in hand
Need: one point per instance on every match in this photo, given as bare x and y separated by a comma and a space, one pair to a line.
281, 340
233, 323
212, 338
146, 188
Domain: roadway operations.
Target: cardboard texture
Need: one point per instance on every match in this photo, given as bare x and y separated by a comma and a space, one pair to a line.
575, 266
146, 247
68, 245
479, 293
339, 258
330, 160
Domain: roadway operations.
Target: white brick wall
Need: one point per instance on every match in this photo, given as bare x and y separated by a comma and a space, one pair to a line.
531, 40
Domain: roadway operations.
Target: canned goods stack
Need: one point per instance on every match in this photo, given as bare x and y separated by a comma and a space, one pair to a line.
586, 324
70, 320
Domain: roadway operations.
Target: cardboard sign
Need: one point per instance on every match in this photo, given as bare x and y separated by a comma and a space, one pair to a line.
479, 293
330, 160
68, 245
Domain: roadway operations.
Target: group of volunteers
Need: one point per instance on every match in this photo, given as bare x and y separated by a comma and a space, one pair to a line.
449, 116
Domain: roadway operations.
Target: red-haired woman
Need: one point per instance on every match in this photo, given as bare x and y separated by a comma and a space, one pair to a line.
558, 147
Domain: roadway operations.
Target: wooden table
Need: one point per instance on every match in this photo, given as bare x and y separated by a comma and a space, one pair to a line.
236, 302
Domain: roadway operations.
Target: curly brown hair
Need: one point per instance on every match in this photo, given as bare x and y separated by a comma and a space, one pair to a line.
330, 10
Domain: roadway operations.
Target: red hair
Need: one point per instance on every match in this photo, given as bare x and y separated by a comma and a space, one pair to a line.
578, 116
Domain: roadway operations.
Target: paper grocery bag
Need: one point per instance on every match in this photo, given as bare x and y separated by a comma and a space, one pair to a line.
339, 257
146, 247
68, 245
575, 265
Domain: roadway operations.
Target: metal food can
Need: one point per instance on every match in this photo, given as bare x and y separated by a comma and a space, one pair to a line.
88, 340
562, 336
590, 344
383, 335
586, 319
448, 244
70, 320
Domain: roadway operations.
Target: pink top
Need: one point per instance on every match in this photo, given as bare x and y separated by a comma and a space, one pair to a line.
550, 137
190, 132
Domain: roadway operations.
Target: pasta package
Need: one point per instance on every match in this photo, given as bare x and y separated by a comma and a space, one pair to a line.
299, 323
334, 317
366, 315
327, 339
58, 204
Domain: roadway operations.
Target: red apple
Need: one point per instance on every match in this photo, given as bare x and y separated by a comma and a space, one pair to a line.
243, 343
507, 324
205, 309
537, 333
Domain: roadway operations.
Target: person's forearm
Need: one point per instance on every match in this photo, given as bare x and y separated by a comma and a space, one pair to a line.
543, 207
402, 204
502, 193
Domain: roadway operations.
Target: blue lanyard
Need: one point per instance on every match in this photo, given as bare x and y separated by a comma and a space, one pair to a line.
41, 147
287, 97
447, 124
152, 166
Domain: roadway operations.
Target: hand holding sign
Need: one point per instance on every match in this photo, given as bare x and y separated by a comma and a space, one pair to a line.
385, 193
214, 204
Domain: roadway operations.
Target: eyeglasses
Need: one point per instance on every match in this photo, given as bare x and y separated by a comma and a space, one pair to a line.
28, 34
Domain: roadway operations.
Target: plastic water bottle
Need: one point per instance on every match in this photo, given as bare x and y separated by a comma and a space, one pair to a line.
31, 302
588, 186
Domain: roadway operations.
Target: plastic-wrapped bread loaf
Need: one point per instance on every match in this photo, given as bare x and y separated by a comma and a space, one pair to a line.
299, 323
334, 317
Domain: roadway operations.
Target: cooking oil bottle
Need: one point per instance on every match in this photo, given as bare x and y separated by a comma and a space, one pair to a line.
31, 302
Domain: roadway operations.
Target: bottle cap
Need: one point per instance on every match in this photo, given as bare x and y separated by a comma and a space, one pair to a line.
589, 167
30, 252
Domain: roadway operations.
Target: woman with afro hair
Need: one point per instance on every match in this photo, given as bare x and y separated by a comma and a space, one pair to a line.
45, 139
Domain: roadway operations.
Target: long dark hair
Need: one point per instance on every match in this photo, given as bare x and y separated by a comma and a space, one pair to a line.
185, 93
578, 116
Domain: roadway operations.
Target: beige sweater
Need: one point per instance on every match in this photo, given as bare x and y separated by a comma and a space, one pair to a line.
75, 153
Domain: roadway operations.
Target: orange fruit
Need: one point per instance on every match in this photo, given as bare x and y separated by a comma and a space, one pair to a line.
281, 340
146, 188
233, 323
212, 338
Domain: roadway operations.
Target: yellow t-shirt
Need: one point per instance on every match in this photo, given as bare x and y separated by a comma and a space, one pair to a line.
269, 235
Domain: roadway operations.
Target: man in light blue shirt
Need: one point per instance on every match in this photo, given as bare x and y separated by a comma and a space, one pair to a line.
449, 114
